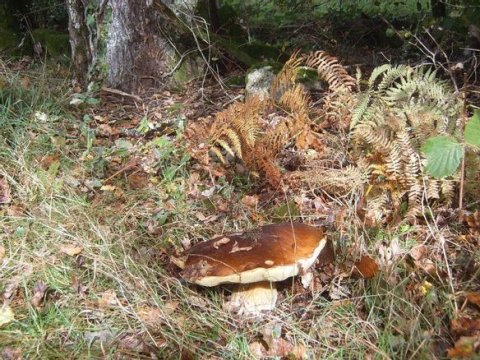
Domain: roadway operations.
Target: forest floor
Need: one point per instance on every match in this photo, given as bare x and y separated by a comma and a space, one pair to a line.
98, 197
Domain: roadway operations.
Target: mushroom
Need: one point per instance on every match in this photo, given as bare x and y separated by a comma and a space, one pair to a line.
255, 260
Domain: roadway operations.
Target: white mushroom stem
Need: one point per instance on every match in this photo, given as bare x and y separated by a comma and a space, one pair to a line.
253, 298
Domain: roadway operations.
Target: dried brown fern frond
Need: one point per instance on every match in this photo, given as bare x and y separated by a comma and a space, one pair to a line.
235, 129
336, 182
286, 77
331, 71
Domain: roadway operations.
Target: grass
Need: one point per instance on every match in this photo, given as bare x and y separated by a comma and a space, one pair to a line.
120, 296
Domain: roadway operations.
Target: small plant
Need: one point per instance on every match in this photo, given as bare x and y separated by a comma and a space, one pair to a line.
444, 153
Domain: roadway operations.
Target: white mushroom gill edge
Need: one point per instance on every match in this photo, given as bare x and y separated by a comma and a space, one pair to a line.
275, 273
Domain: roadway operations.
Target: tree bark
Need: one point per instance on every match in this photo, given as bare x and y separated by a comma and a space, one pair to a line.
139, 45
79, 35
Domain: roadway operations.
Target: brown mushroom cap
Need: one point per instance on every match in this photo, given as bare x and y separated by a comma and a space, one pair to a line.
269, 253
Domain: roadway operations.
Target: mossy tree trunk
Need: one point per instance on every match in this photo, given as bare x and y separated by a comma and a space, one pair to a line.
79, 36
143, 48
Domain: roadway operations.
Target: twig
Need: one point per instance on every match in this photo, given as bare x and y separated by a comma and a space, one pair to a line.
462, 129
121, 93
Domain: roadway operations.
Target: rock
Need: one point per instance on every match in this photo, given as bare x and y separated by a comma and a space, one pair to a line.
259, 82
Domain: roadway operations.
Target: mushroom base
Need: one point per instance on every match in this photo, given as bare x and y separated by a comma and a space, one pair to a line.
252, 298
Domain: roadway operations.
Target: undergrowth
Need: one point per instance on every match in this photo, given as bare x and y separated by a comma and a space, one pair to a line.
87, 268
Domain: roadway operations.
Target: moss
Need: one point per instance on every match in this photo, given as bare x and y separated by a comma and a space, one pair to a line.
236, 81
56, 43
258, 50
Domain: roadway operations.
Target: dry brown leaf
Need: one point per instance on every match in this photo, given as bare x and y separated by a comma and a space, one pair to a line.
48, 160
151, 316
109, 298
9, 353
78, 287
38, 294
418, 252
367, 268
106, 130
464, 347
4, 191
71, 250
134, 343
464, 326
472, 298
15, 210
250, 201
138, 180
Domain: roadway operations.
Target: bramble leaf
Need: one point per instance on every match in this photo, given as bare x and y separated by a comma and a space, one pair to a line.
472, 130
443, 155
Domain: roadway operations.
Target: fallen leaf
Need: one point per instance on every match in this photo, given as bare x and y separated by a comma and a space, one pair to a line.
108, 299
71, 250
78, 287
472, 298
48, 160
152, 317
4, 191
250, 201
11, 354
15, 210
464, 347
38, 294
418, 252
134, 343
6, 314
2, 252
367, 268
105, 130
11, 288
464, 326
138, 180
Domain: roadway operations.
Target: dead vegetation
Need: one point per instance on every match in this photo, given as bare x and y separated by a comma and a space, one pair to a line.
96, 205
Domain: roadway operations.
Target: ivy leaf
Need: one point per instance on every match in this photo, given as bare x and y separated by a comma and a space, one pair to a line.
472, 130
443, 155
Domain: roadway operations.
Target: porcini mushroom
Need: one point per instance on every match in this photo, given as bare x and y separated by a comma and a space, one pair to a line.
258, 257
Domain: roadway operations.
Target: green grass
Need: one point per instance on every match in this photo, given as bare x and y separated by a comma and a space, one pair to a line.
151, 310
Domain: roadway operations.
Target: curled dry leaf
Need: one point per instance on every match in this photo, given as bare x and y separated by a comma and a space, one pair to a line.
465, 347
366, 268
71, 250
38, 294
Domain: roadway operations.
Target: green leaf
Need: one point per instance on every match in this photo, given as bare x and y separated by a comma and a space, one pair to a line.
443, 155
472, 130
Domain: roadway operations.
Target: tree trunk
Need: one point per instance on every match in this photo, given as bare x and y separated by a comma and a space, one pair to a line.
139, 46
79, 37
